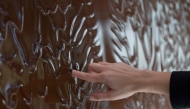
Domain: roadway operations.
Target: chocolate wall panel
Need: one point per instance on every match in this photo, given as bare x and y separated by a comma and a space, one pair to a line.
41, 41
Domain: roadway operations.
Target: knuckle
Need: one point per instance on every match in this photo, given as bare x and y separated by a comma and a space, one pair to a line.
97, 97
85, 75
110, 96
90, 65
107, 67
103, 77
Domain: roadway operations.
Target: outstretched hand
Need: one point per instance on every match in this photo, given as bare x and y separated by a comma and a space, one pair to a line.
124, 80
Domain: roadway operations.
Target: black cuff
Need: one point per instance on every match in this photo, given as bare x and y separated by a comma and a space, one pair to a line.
180, 89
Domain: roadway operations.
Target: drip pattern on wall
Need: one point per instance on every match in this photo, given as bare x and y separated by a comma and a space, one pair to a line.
41, 41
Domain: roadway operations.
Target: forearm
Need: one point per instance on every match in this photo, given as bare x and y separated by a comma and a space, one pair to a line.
156, 82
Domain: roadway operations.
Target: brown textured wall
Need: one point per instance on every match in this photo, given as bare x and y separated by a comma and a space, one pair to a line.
41, 41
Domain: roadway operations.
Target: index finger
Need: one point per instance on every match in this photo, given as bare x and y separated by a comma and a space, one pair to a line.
90, 77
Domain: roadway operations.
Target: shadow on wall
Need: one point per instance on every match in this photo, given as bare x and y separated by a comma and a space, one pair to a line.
41, 41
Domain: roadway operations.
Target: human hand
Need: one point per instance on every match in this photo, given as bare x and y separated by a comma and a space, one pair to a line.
122, 79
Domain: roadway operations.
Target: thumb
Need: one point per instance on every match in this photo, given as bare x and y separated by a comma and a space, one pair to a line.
103, 96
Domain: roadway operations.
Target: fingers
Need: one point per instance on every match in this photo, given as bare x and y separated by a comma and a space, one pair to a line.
94, 75
103, 96
95, 67
90, 77
98, 67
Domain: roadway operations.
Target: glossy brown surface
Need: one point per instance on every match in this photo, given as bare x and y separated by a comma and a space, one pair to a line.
41, 41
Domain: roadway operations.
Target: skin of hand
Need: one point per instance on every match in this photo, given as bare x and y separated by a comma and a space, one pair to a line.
123, 80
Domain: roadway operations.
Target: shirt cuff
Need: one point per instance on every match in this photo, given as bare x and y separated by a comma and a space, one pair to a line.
180, 89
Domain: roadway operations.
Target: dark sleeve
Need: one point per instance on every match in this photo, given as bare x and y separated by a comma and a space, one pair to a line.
180, 89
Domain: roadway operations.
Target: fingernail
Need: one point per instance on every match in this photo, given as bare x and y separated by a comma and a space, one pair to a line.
73, 72
91, 98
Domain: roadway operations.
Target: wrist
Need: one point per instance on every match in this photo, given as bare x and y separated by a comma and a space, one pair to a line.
155, 82
146, 82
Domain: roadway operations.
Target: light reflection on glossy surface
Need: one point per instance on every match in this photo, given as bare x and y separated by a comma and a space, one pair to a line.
41, 41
